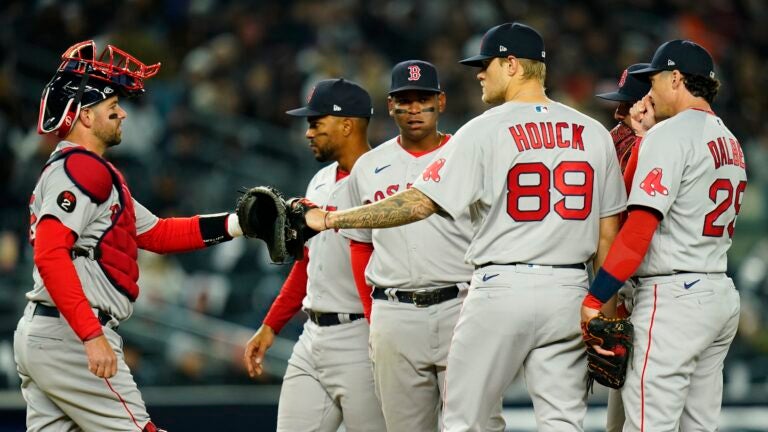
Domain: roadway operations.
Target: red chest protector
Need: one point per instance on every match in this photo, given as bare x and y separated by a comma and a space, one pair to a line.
116, 250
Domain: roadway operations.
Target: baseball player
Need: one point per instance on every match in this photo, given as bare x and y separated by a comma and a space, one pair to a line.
414, 273
686, 194
85, 229
627, 143
329, 378
544, 191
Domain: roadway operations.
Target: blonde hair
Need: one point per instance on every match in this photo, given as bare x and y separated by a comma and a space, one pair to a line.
533, 69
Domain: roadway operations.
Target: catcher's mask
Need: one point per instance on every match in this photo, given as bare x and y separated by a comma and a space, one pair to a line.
83, 80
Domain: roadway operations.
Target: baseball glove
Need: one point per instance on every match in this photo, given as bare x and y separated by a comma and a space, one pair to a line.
612, 334
264, 214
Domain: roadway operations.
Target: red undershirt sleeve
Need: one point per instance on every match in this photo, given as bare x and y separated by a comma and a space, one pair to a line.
629, 171
52, 248
172, 235
360, 255
626, 254
288, 302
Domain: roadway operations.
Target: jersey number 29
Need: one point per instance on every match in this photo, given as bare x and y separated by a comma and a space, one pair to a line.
540, 191
732, 198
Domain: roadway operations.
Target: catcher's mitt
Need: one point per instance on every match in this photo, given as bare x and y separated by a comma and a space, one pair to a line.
612, 334
263, 213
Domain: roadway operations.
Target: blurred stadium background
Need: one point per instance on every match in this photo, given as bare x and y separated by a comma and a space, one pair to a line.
213, 120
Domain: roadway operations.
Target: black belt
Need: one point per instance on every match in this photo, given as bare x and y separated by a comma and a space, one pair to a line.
579, 266
421, 297
51, 311
325, 319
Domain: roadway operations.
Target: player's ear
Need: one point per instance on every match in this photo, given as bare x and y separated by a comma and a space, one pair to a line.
512, 65
347, 126
391, 106
86, 117
676, 79
441, 101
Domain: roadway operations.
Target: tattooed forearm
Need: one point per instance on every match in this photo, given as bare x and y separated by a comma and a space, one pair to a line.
399, 209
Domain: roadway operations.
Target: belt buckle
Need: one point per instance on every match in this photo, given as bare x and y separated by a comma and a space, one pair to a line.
424, 297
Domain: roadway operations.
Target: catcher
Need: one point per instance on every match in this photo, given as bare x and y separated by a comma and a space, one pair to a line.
86, 229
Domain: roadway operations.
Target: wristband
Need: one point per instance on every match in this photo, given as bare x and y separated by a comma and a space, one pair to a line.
605, 285
233, 226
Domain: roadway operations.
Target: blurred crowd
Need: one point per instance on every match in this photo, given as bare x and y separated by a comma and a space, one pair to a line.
214, 120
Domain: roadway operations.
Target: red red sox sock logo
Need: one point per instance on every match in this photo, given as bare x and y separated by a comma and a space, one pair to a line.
415, 72
433, 171
652, 183
623, 78
113, 209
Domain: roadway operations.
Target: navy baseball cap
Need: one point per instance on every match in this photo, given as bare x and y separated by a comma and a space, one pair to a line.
336, 97
686, 56
414, 75
508, 39
631, 89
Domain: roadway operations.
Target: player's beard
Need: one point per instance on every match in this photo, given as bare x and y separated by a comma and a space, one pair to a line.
324, 154
492, 95
110, 138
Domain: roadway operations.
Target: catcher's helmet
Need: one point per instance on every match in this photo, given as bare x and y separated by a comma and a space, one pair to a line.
83, 80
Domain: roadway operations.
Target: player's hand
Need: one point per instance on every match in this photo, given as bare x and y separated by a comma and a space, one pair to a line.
587, 313
316, 219
642, 115
102, 360
256, 348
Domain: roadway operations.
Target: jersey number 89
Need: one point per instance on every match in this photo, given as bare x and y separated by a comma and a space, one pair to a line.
541, 190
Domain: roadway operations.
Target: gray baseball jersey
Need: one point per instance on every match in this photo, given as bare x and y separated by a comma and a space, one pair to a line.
409, 372
329, 379
428, 253
537, 178
331, 287
691, 170
56, 195
51, 359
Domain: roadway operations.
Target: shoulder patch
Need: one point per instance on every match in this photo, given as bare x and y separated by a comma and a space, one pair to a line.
90, 175
67, 201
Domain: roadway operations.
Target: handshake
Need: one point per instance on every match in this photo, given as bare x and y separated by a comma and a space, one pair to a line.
263, 213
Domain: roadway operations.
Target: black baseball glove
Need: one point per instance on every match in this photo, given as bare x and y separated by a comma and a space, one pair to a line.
612, 334
263, 213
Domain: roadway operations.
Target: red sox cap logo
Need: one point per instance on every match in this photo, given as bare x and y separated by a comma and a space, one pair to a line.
623, 78
652, 183
433, 171
415, 72
311, 93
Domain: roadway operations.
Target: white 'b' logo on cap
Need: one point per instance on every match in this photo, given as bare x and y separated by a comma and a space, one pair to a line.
415, 73
502, 48
108, 90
